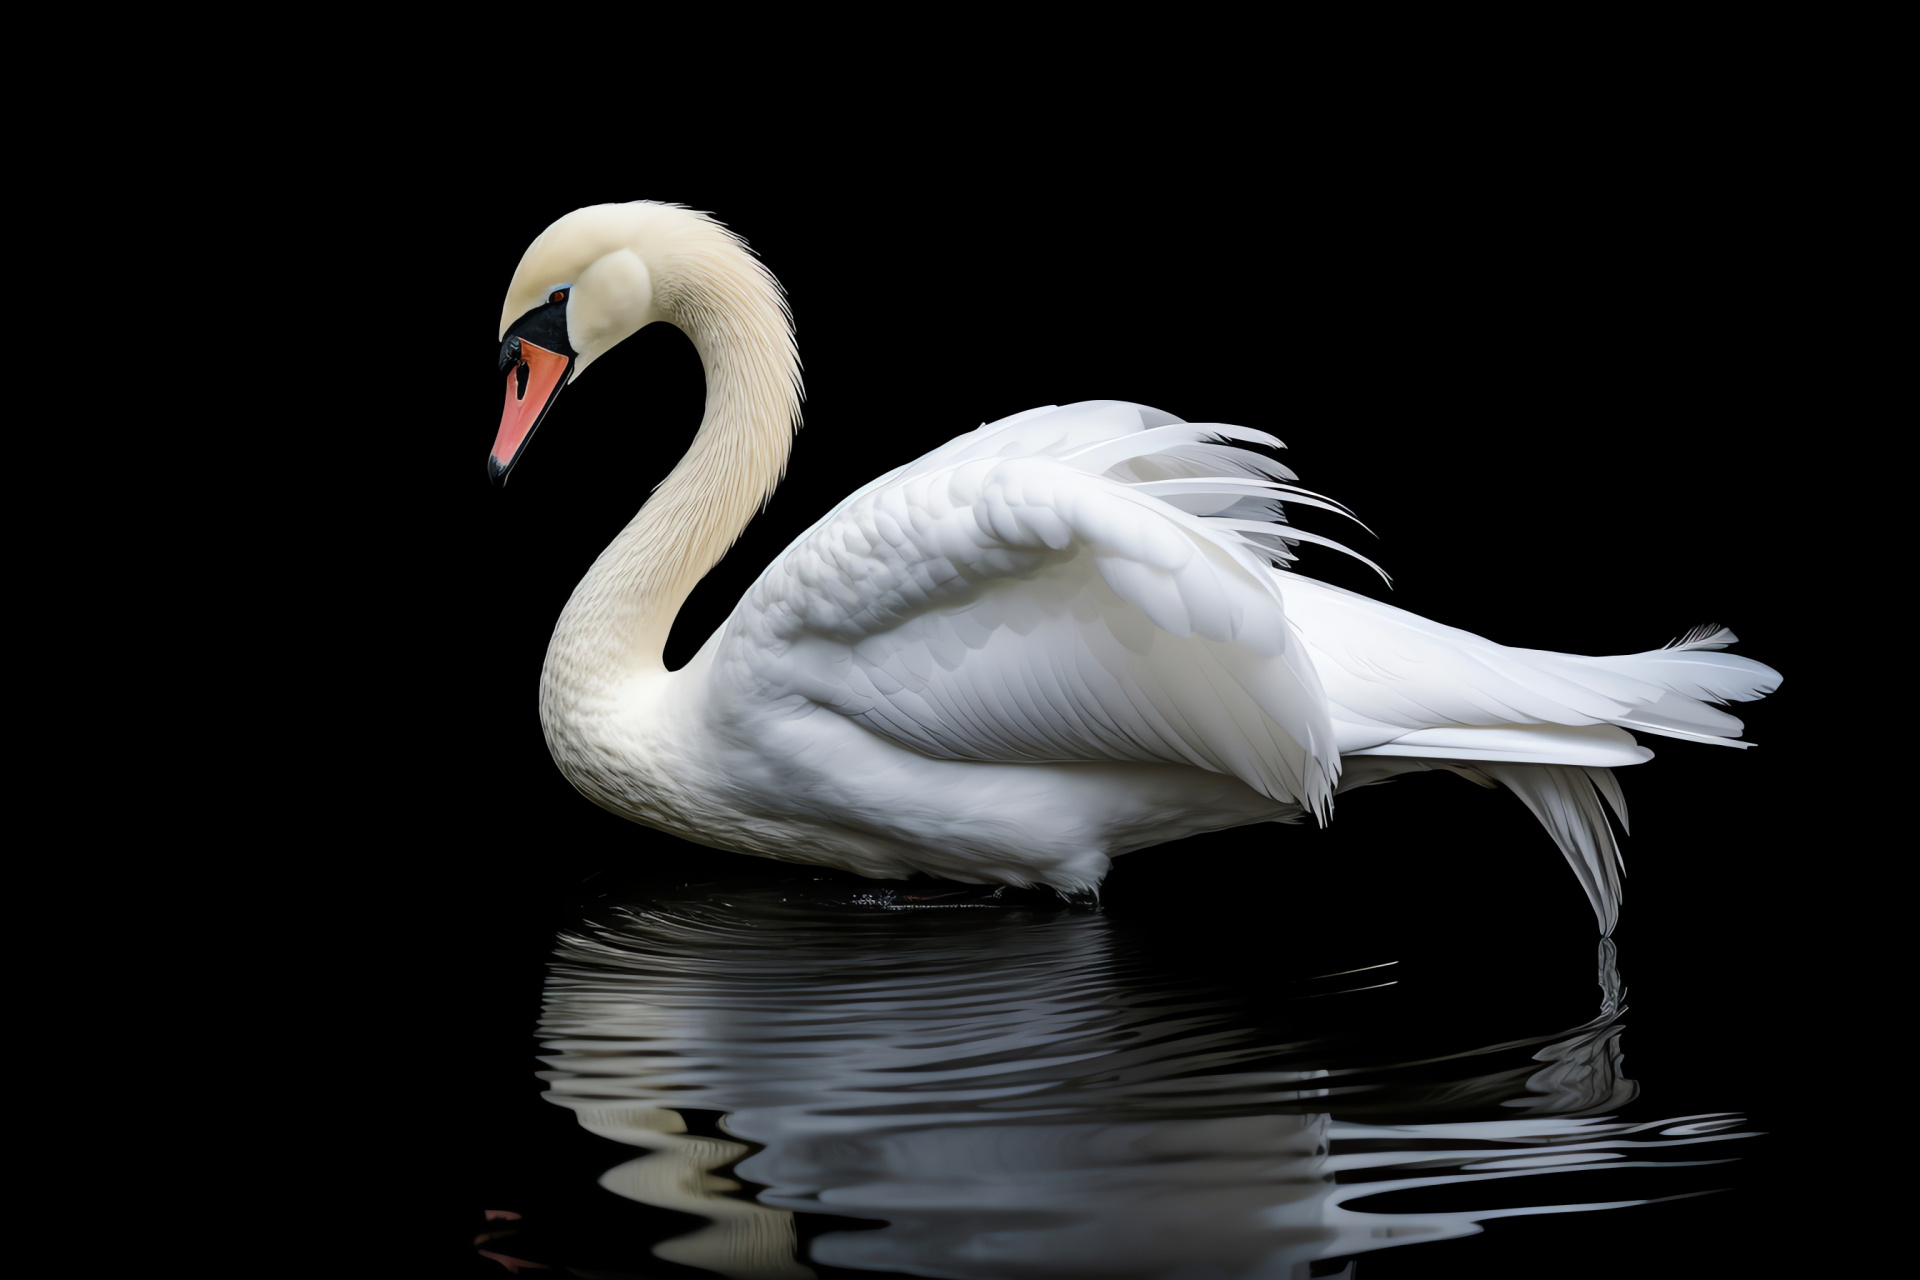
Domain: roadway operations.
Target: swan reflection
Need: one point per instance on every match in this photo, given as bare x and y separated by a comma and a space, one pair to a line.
1012, 1093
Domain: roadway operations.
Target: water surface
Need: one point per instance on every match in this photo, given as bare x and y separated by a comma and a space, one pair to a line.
810, 1088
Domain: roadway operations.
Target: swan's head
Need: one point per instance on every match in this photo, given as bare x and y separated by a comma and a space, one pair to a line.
581, 287
602, 273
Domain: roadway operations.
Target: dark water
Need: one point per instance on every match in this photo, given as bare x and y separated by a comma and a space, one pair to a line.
758, 1080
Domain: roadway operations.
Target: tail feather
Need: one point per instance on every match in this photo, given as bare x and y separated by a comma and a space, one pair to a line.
1566, 800
1691, 674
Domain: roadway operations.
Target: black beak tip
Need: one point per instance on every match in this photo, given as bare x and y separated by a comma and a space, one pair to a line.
497, 471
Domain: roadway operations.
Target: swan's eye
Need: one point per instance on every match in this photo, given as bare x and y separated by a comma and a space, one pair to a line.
558, 295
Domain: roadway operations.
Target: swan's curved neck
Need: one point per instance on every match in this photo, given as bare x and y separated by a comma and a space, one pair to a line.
615, 625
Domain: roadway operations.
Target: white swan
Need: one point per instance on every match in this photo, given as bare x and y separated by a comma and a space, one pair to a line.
1058, 638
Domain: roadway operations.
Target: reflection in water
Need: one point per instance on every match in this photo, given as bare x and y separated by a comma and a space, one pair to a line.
1009, 1094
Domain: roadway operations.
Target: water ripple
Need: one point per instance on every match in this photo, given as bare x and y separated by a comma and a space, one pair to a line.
1012, 1093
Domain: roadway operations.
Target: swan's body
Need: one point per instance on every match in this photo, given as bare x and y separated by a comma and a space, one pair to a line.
1055, 639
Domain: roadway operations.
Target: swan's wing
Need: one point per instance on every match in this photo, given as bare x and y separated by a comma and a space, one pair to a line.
1082, 584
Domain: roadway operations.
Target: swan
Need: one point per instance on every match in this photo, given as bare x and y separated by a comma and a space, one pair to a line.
1067, 635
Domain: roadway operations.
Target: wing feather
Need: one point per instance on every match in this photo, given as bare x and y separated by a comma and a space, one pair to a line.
1032, 591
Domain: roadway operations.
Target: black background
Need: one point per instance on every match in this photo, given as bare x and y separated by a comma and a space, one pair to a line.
1569, 374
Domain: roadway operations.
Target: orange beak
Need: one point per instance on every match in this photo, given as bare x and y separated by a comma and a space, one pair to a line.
534, 382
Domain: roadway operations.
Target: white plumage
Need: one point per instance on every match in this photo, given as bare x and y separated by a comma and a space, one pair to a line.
1061, 637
